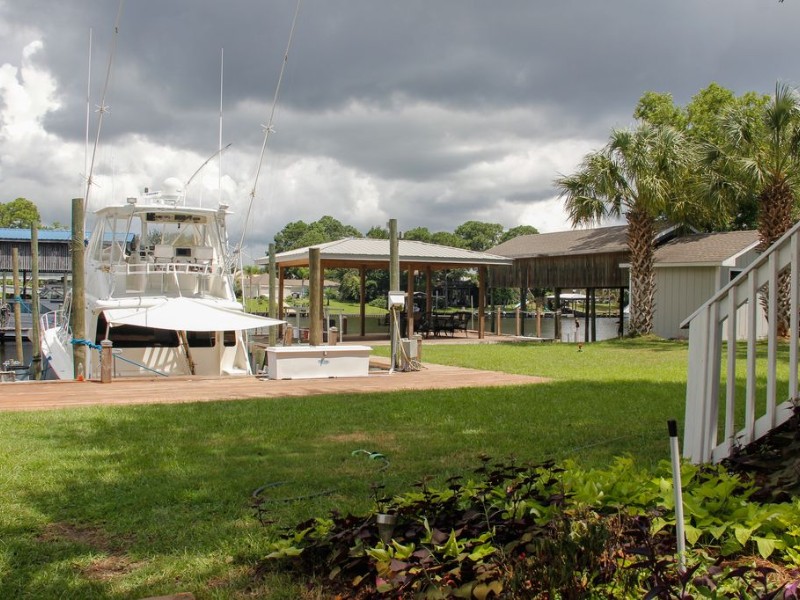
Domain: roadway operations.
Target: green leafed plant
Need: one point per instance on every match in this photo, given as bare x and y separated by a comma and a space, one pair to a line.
542, 531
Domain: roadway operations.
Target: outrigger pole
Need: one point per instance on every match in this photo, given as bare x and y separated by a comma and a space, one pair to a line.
102, 108
268, 128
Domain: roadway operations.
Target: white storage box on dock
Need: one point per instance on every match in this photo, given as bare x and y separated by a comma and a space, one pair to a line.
317, 362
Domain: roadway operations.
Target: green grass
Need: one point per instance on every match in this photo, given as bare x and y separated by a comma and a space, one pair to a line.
129, 502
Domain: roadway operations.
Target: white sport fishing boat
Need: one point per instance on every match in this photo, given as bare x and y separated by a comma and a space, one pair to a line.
159, 286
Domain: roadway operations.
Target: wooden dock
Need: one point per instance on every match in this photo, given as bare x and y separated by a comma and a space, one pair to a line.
49, 395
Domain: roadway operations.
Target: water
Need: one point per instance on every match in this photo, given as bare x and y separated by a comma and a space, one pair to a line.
607, 327
8, 350
377, 324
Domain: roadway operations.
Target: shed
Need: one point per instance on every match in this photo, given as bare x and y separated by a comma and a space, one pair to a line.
692, 268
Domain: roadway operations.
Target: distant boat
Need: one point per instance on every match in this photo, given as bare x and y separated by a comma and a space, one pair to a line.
18, 371
159, 287
8, 320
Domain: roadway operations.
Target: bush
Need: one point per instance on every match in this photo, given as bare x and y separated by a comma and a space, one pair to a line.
546, 531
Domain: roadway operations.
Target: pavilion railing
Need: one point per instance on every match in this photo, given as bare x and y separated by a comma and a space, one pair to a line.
726, 408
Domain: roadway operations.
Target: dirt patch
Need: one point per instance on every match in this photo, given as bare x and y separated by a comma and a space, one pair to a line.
93, 537
113, 564
358, 437
109, 567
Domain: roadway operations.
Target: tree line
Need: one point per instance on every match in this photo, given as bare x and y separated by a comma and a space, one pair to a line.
471, 235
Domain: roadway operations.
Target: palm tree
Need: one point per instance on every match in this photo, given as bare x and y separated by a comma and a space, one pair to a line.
638, 174
760, 158
250, 271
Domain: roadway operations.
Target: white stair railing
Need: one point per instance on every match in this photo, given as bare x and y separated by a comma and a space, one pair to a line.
734, 308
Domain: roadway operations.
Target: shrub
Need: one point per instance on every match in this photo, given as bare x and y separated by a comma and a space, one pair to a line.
547, 531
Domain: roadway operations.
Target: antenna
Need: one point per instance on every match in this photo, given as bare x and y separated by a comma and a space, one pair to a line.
221, 79
102, 109
208, 160
268, 128
88, 111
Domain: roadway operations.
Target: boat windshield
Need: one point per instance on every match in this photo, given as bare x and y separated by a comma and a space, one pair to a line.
152, 236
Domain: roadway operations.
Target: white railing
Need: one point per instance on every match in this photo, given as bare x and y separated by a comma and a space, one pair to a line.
750, 410
163, 277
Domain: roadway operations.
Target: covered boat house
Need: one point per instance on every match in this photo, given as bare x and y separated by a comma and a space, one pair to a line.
587, 259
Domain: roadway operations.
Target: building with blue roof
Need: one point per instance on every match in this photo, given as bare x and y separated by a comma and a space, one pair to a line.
55, 254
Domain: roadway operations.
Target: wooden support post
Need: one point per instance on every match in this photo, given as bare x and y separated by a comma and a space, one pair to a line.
498, 325
523, 304
481, 302
394, 286
587, 307
281, 291
273, 295
517, 322
557, 316
410, 302
538, 321
36, 342
17, 303
106, 360
314, 298
428, 296
80, 363
362, 302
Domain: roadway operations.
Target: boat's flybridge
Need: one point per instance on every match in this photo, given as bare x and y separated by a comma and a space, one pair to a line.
158, 286
158, 248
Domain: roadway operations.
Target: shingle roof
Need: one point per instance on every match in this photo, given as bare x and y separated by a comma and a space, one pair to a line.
560, 243
357, 250
705, 248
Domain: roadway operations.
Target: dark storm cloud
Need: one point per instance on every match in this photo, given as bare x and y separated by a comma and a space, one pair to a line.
432, 102
592, 59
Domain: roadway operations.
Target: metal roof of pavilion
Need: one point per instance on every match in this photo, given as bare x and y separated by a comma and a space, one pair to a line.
354, 252
23, 234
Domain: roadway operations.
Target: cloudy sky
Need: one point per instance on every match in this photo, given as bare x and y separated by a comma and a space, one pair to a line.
432, 112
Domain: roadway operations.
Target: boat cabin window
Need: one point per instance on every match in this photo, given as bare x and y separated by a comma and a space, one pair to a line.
207, 339
132, 336
201, 339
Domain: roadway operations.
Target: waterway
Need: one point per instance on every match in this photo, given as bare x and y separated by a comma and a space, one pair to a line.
572, 329
607, 328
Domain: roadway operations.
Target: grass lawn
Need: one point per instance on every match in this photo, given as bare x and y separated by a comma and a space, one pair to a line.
130, 502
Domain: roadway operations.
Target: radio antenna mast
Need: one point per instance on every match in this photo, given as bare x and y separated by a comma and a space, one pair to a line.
88, 112
268, 128
102, 109
221, 79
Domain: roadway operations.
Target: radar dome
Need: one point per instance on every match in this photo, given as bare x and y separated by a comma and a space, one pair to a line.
173, 187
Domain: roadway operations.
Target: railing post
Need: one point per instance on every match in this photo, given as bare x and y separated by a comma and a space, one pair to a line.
794, 304
772, 337
106, 360
694, 425
777, 271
